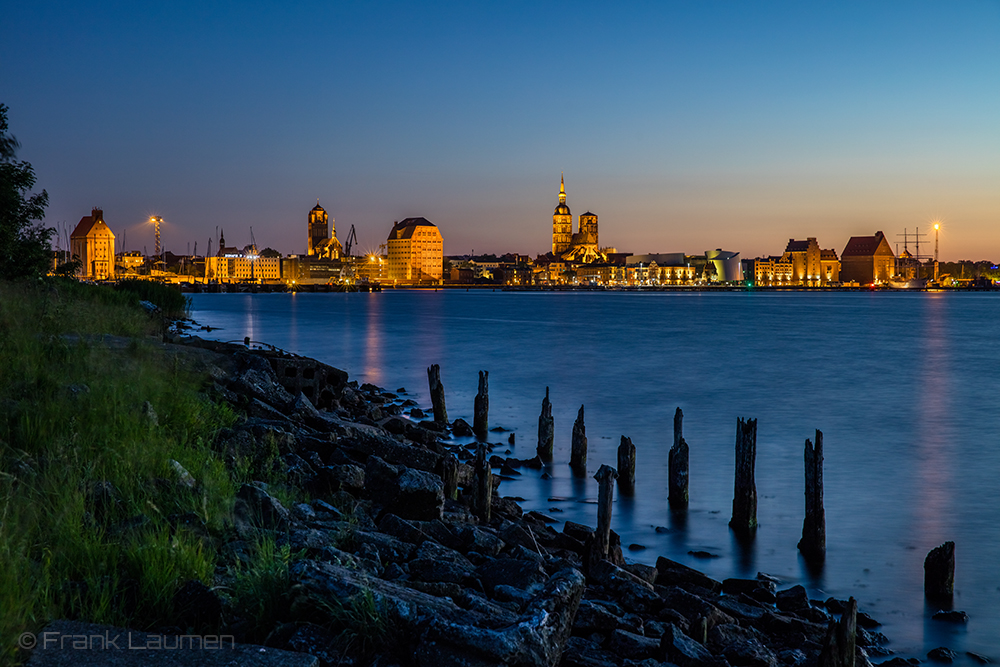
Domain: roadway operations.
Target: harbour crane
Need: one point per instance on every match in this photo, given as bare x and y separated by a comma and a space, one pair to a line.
352, 238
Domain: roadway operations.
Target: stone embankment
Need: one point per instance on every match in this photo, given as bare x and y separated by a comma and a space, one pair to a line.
396, 526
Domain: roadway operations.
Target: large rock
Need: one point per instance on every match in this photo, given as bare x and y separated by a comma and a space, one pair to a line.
683, 651
538, 638
255, 508
632, 646
257, 384
694, 608
408, 493
523, 574
672, 573
436, 563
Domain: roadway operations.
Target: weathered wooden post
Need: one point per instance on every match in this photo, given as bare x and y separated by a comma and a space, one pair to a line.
841, 636
605, 477
813, 542
481, 416
437, 394
448, 468
678, 427
482, 492
578, 451
626, 465
939, 573
546, 429
677, 466
744, 521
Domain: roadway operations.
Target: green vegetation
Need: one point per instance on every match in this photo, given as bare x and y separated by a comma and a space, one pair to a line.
95, 521
260, 586
24, 244
167, 298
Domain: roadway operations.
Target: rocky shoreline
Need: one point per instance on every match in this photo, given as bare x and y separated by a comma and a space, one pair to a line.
393, 540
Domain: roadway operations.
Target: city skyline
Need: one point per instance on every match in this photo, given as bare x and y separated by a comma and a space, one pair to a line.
685, 127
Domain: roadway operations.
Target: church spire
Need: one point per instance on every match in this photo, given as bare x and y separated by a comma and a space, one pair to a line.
562, 189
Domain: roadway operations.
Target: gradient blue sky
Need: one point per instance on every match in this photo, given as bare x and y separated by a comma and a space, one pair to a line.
684, 125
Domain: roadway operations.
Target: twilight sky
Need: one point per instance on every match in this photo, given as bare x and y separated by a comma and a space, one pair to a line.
685, 126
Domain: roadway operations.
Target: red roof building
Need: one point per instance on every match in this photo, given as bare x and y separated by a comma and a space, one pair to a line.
867, 260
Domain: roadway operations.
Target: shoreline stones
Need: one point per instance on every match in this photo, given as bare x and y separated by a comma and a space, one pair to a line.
416, 530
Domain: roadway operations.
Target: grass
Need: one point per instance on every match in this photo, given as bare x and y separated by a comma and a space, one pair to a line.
89, 497
261, 586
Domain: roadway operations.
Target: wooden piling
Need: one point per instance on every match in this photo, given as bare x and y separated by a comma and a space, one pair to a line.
678, 428
546, 430
677, 471
939, 573
605, 477
813, 542
744, 521
626, 465
437, 394
448, 469
481, 416
578, 451
841, 636
482, 492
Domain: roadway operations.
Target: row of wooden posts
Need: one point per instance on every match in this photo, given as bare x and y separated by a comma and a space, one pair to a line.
939, 566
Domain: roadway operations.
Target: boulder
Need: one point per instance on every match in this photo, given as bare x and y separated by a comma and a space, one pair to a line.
632, 646
408, 493
537, 638
591, 618
672, 573
523, 574
792, 599
678, 648
255, 508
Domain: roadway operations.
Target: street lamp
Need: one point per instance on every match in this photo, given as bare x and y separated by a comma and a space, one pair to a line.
937, 226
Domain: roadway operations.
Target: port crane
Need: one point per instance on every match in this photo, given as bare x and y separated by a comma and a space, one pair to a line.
352, 238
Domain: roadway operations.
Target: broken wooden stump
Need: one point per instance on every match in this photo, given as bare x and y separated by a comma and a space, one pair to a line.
481, 416
839, 647
482, 491
939, 573
678, 427
578, 450
677, 467
626, 465
744, 521
546, 430
813, 542
448, 469
605, 477
437, 394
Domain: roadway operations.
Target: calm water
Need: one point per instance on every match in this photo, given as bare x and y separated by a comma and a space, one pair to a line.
905, 388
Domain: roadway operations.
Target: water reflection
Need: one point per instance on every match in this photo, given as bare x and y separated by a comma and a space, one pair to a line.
373, 353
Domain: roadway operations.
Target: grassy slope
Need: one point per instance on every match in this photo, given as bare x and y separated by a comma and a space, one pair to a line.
81, 463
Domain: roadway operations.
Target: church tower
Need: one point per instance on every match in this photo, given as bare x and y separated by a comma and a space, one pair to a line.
562, 223
319, 228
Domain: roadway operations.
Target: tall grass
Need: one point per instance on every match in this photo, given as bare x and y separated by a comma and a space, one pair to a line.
88, 497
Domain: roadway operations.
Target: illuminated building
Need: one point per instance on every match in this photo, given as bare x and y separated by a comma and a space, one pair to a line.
811, 265
725, 265
665, 268
322, 234
129, 262
867, 259
416, 252
93, 243
773, 270
232, 264
581, 247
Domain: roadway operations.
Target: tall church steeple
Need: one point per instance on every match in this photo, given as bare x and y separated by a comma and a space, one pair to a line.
562, 222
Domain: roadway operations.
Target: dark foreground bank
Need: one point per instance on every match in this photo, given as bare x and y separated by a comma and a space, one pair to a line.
408, 554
